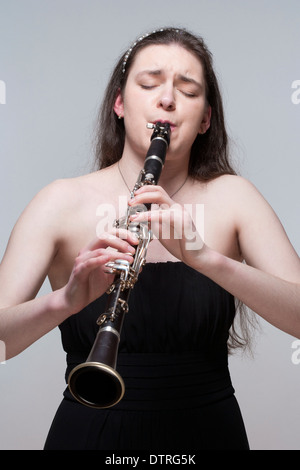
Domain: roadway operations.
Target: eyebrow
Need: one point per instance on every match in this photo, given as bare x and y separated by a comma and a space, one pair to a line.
184, 78
180, 77
149, 72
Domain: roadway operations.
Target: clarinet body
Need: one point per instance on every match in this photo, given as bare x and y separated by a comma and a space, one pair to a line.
96, 382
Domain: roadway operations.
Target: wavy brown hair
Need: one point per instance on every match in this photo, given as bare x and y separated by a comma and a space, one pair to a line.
210, 151
209, 154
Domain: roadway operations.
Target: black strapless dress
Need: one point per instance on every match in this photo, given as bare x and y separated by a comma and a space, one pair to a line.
173, 360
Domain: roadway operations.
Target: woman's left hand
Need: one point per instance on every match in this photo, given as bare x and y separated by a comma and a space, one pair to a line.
171, 223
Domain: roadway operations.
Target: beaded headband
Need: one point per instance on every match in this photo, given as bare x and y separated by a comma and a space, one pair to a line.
140, 39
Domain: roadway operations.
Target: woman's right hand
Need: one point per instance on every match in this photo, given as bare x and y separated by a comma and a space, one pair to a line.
89, 278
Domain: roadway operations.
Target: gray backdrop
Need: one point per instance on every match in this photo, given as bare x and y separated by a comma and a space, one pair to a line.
55, 57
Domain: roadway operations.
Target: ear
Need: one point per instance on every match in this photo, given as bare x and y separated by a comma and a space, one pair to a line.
119, 105
206, 121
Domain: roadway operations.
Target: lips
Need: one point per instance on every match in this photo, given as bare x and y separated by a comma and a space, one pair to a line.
163, 121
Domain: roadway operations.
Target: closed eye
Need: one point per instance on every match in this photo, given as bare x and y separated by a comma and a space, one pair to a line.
189, 94
147, 87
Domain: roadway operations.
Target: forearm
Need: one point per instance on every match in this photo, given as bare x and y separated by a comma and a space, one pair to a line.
23, 324
274, 299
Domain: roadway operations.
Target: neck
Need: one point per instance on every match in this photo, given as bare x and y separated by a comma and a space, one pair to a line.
173, 175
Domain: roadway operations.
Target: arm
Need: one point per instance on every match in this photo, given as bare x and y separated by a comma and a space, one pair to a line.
32, 247
28, 256
274, 299
269, 280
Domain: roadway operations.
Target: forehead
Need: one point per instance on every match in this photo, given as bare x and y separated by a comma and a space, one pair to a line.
172, 57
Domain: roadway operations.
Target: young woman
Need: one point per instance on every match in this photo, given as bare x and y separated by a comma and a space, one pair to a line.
174, 343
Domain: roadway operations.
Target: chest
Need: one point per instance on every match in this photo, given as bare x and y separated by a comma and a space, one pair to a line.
215, 226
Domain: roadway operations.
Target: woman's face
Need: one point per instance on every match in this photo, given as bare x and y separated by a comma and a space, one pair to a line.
165, 83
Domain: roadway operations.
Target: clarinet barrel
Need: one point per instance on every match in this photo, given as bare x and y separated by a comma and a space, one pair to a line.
96, 382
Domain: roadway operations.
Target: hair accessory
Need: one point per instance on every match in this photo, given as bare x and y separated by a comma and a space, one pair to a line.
139, 40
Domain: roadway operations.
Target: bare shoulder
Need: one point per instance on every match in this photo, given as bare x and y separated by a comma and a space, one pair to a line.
232, 185
63, 190
57, 220
53, 206
59, 191
33, 243
238, 199
63, 193
262, 238
238, 194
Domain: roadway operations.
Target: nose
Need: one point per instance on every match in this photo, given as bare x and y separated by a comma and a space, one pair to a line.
167, 99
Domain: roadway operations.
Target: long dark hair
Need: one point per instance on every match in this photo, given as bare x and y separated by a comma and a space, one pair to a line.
209, 154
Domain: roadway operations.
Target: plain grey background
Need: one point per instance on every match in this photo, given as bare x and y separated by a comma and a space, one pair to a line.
55, 58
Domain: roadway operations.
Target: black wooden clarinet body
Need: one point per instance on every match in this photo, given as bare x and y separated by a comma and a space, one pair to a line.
96, 382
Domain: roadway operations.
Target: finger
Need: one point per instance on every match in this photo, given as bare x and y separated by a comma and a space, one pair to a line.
149, 188
150, 198
109, 252
126, 235
167, 224
150, 195
120, 239
118, 234
88, 264
160, 222
164, 212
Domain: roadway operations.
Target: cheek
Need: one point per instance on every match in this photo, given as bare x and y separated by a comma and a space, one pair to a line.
197, 115
134, 108
192, 124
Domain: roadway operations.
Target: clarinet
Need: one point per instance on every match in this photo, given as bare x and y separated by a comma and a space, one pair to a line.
96, 382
